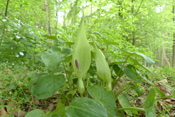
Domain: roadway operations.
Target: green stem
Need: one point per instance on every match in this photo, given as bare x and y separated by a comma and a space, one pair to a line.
123, 88
68, 76
70, 81
115, 82
165, 97
106, 50
131, 108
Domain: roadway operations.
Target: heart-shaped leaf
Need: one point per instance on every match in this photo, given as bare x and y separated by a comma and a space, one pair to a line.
46, 85
52, 58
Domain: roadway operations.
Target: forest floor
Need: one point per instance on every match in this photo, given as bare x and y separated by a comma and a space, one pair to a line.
16, 99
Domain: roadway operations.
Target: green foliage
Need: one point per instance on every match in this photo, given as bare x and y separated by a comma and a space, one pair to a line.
149, 105
45, 85
104, 72
123, 100
106, 98
36, 113
85, 107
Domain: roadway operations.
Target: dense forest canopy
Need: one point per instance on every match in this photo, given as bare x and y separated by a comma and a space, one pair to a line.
88, 43
138, 25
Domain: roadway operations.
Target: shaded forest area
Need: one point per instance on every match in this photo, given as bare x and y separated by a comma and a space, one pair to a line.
81, 58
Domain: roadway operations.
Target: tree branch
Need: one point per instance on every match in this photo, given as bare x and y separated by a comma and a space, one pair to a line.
138, 8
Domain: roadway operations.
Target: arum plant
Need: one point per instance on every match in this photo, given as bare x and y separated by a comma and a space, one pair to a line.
103, 70
81, 57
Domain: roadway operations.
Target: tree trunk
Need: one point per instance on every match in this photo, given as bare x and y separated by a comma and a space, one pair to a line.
4, 27
48, 18
56, 25
164, 58
133, 38
133, 32
6, 8
158, 63
64, 19
173, 58
48, 23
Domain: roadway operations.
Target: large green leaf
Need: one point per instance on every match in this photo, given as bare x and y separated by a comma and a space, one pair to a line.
54, 38
66, 51
117, 70
104, 97
137, 89
160, 92
124, 102
137, 63
46, 85
144, 78
52, 58
149, 105
107, 42
147, 59
85, 107
131, 72
36, 113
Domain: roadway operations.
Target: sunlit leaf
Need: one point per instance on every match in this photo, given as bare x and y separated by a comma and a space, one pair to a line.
137, 63
147, 59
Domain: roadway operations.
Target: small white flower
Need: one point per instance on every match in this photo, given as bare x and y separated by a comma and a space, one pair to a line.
21, 53
4, 20
18, 37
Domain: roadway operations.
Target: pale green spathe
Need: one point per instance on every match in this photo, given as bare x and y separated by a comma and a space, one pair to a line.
103, 70
81, 52
81, 57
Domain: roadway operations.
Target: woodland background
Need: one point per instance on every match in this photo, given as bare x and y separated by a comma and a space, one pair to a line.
30, 27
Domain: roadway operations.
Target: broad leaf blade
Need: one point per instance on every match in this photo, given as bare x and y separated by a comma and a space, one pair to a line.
36, 113
118, 70
131, 72
51, 58
46, 85
124, 102
137, 63
104, 97
60, 109
85, 107
137, 89
147, 59
149, 105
